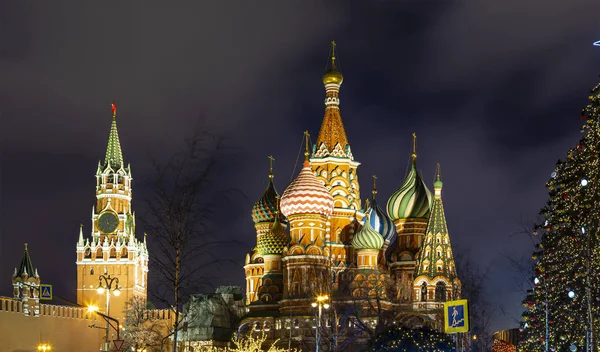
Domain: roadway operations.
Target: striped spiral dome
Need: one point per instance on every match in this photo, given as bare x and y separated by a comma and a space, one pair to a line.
412, 200
367, 238
381, 222
274, 241
306, 195
265, 208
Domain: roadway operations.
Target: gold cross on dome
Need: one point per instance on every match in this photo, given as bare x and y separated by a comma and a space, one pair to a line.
271, 160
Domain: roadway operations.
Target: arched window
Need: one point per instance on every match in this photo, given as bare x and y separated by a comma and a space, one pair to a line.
424, 292
440, 292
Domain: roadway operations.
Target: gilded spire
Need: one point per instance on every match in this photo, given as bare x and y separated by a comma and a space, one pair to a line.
437, 184
414, 149
271, 160
114, 156
306, 152
374, 191
333, 68
333, 76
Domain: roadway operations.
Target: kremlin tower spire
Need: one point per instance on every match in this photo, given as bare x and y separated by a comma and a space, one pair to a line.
435, 274
26, 285
114, 156
113, 247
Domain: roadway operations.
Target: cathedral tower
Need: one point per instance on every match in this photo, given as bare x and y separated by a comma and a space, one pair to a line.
435, 275
409, 208
264, 213
334, 165
113, 248
307, 205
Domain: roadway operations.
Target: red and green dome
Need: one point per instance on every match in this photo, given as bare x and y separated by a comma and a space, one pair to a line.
265, 208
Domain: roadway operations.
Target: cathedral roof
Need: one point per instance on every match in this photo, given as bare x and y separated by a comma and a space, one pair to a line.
265, 208
413, 199
367, 238
274, 241
332, 139
379, 219
306, 195
436, 258
25, 267
114, 156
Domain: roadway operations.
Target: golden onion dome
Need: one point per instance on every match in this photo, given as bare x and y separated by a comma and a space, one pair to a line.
333, 76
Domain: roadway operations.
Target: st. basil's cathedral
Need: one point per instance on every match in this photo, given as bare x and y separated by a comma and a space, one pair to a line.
319, 242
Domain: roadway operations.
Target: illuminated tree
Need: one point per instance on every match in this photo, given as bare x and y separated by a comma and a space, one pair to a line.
403, 339
140, 329
564, 301
250, 343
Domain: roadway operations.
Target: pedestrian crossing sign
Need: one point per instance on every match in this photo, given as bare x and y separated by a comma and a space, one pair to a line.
456, 316
45, 292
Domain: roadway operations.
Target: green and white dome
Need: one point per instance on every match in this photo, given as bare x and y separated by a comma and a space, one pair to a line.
367, 238
412, 200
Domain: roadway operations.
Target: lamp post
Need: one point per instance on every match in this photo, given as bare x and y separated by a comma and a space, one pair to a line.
320, 303
44, 347
105, 285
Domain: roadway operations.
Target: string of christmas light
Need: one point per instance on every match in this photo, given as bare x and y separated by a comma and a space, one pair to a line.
568, 242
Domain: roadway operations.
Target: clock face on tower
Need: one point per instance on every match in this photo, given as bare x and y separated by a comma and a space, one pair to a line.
108, 222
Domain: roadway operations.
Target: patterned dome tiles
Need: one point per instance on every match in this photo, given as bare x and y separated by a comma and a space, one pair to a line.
265, 208
412, 200
274, 241
306, 195
367, 238
381, 222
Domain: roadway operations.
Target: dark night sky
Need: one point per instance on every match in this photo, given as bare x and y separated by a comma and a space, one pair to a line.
492, 88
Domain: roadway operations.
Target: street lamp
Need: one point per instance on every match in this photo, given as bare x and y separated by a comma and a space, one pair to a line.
44, 347
105, 285
321, 303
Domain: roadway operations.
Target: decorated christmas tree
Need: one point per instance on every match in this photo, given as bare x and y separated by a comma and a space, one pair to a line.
564, 301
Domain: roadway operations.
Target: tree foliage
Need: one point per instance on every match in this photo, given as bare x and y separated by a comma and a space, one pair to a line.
567, 255
412, 340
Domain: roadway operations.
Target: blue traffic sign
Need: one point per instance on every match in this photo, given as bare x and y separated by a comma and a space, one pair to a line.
45, 292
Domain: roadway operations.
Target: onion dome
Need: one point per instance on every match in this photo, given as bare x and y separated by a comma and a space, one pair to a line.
333, 75
379, 219
367, 238
274, 241
265, 208
306, 194
413, 199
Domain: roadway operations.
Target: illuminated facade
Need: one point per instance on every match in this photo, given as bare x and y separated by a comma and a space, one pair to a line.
112, 248
320, 239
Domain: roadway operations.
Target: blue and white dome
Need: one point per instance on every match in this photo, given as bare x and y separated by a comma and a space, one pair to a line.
381, 222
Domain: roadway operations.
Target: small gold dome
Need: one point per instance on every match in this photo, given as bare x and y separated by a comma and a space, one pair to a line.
333, 76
